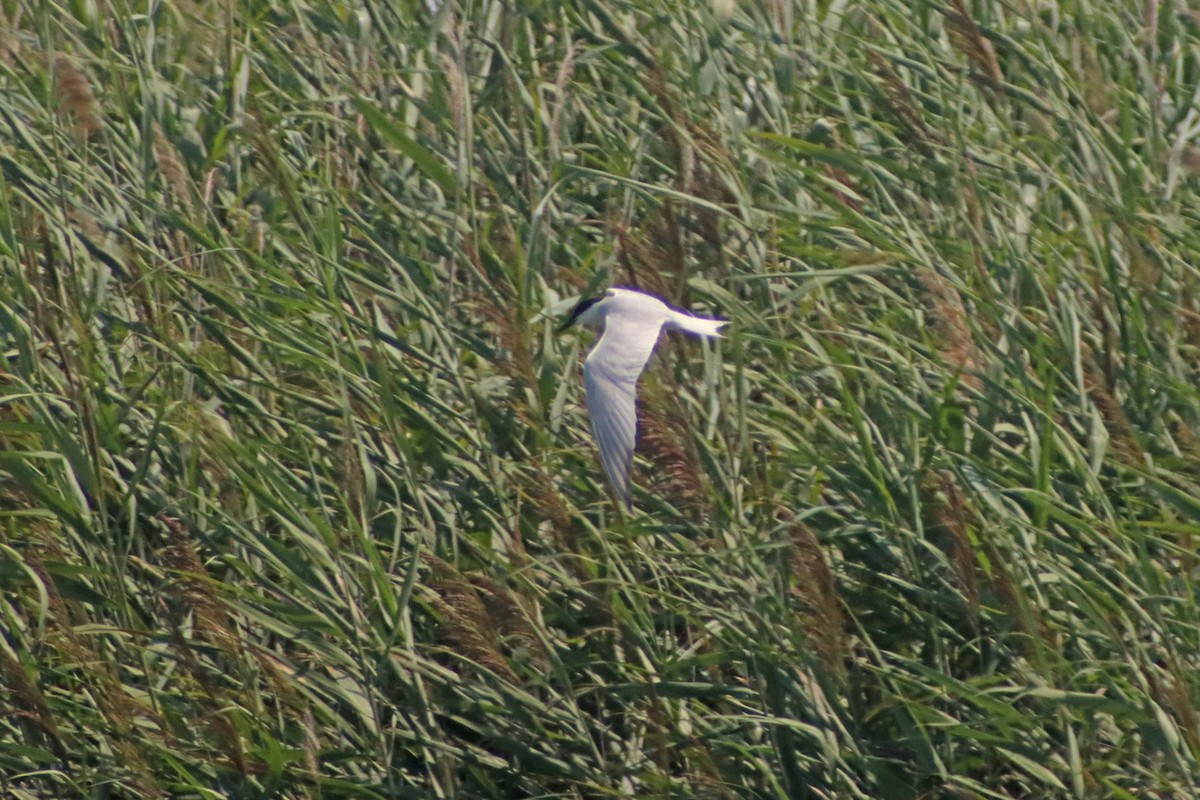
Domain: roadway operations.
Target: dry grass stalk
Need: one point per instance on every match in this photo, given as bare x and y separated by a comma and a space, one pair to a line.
1024, 619
707, 784
950, 516
312, 745
172, 169
456, 94
226, 732
955, 342
1120, 433
1145, 264
117, 707
648, 256
658, 85
195, 592
1150, 22
141, 776
970, 41
353, 479
197, 681
565, 72
466, 623
212, 182
699, 156
655, 256
1190, 160
511, 617
212, 624
839, 175
815, 591
280, 673
570, 276
552, 508
75, 98
1173, 694
903, 106
1003, 583
1189, 318
86, 224
707, 183
29, 701
662, 438
1098, 91
514, 339
60, 618
9, 43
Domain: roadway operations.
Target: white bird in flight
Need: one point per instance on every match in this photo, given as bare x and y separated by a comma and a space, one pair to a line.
630, 323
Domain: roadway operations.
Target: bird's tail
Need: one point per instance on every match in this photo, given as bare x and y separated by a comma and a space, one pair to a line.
700, 326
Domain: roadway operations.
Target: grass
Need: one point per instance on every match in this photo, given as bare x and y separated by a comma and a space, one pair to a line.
297, 494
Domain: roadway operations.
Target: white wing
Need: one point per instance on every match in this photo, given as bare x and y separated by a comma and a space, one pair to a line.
610, 375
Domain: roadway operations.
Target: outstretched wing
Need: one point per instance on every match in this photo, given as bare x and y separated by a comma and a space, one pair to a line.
610, 376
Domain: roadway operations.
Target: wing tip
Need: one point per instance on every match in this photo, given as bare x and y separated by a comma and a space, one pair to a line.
625, 498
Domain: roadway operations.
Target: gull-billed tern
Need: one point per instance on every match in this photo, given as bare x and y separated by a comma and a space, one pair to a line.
630, 323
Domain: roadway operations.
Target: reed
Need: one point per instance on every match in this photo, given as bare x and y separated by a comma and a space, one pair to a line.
298, 496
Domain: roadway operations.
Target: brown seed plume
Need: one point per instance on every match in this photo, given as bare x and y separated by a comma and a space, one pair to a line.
212, 624
466, 623
117, 707
510, 617
194, 590
847, 198
970, 41
28, 700
648, 256
1023, 617
172, 168
1120, 433
552, 508
519, 364
950, 516
75, 98
814, 590
955, 343
662, 437
904, 107
456, 94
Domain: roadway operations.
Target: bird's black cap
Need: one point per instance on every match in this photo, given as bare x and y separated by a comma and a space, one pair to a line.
580, 307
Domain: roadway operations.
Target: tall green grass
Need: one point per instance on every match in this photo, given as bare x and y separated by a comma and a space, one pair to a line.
297, 493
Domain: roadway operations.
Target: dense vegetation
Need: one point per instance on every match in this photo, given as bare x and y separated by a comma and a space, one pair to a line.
297, 492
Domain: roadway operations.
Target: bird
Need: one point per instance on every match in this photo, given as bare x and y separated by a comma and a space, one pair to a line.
630, 322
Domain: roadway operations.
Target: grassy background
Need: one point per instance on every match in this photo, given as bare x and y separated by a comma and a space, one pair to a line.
297, 493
